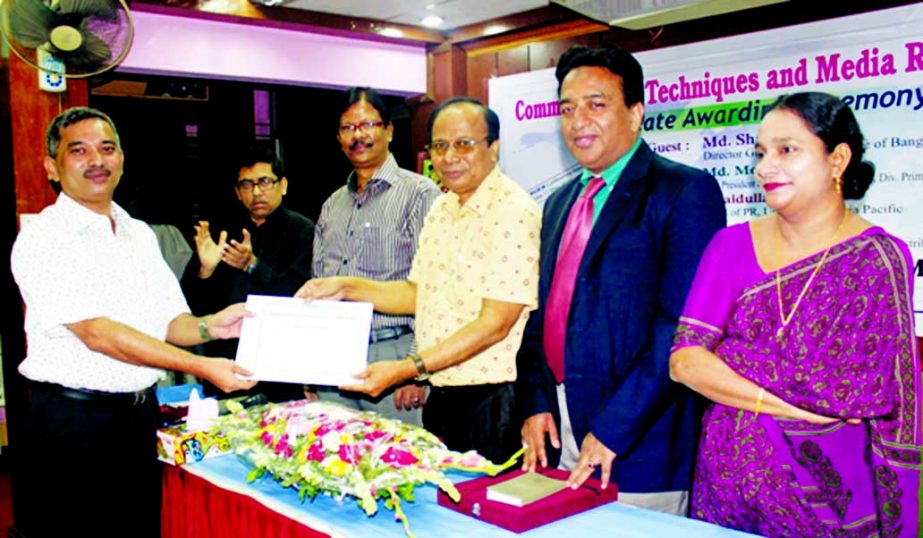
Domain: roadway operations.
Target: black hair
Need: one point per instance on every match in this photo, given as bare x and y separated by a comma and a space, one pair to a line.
259, 154
617, 61
70, 117
490, 117
351, 96
834, 123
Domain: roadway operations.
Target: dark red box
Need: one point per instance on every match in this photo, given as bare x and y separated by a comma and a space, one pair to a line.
560, 505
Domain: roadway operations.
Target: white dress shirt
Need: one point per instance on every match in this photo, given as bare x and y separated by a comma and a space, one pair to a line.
70, 266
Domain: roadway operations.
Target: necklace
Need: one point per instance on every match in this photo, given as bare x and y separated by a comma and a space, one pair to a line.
785, 320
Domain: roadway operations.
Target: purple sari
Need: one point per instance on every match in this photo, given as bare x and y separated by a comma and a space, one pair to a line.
849, 351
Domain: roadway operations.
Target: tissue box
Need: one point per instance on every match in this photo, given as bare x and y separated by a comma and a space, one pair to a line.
177, 446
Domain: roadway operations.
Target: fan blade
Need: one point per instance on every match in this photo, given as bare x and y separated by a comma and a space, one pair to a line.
30, 22
107, 9
93, 54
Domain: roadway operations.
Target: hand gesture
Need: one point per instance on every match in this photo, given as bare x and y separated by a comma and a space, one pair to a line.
592, 454
533, 440
226, 323
409, 397
239, 254
224, 373
209, 252
378, 377
333, 289
814, 418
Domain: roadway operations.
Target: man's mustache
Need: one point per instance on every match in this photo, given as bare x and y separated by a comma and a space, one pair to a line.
95, 170
356, 143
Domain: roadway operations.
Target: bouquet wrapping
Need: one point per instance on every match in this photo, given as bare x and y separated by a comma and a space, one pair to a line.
325, 448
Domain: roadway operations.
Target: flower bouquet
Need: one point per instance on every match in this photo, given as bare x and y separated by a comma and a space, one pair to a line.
325, 448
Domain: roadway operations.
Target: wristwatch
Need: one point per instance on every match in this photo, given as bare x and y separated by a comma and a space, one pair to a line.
249, 269
203, 330
422, 374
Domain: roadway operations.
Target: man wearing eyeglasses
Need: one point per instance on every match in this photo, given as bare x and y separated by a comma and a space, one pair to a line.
271, 256
369, 228
472, 285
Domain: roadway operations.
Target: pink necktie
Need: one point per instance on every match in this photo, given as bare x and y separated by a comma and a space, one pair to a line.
573, 243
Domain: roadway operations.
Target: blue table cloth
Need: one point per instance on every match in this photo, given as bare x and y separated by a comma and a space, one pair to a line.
427, 518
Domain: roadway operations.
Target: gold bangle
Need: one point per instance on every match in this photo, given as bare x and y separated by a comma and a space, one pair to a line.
759, 402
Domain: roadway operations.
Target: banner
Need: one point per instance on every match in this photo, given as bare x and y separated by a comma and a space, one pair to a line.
704, 101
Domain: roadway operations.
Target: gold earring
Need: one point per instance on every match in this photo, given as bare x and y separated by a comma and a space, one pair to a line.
838, 183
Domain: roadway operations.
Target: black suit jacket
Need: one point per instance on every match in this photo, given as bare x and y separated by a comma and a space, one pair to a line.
631, 286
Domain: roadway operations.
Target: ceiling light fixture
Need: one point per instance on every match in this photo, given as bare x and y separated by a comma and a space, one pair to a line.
391, 32
495, 29
432, 21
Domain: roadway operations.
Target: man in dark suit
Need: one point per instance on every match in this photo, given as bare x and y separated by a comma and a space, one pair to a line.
595, 357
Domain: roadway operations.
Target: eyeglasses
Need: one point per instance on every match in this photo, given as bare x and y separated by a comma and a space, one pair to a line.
462, 146
364, 126
265, 183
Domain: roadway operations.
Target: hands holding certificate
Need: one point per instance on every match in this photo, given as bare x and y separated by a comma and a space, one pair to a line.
320, 343
493, 323
379, 376
389, 297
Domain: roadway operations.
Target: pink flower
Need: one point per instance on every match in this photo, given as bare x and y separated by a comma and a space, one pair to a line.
376, 434
266, 437
283, 448
398, 458
349, 454
322, 429
316, 452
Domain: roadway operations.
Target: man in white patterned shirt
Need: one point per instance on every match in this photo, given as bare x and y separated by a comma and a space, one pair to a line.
369, 228
100, 304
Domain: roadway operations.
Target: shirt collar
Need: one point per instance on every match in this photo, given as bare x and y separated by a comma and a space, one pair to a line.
612, 174
483, 196
386, 173
273, 217
86, 217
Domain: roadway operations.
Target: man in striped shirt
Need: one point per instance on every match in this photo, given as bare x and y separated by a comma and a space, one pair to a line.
369, 228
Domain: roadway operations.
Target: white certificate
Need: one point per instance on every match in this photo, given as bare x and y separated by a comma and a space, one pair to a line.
319, 343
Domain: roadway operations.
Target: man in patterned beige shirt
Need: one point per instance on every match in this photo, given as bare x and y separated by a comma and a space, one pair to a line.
471, 287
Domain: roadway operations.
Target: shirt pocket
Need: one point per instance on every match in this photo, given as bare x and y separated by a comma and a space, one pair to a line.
373, 250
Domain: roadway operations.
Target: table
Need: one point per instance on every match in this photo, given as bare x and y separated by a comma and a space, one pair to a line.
212, 498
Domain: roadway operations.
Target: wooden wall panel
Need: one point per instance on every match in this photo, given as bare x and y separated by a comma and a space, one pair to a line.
513, 61
480, 70
32, 110
449, 72
545, 54
448, 76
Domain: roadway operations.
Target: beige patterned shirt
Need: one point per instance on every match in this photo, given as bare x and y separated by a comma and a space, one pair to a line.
486, 249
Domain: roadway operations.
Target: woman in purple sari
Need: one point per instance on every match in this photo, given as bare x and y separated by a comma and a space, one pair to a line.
799, 329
